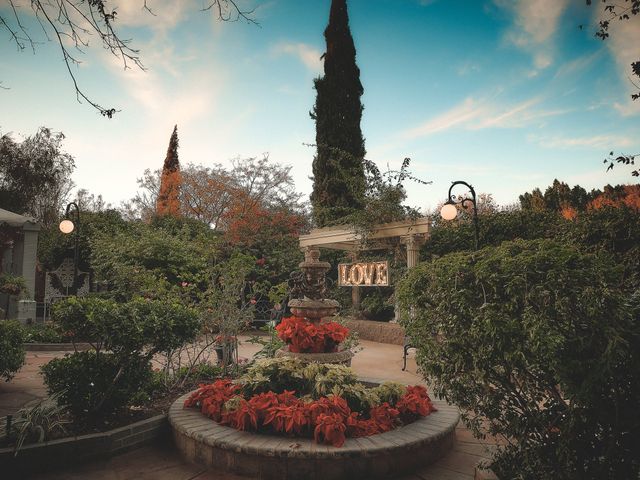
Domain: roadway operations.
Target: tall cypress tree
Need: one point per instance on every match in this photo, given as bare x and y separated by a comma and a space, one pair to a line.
338, 171
168, 202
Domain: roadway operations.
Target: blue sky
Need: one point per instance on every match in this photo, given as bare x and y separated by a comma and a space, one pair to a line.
505, 95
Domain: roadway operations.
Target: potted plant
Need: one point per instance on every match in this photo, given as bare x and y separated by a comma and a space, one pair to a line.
225, 346
12, 284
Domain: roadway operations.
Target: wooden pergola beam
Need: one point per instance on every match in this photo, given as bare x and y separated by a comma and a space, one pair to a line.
340, 238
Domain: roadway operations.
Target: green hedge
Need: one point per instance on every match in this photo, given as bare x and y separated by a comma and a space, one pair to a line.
12, 352
536, 342
96, 384
92, 384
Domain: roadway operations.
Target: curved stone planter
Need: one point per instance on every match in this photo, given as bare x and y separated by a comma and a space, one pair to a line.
343, 357
404, 450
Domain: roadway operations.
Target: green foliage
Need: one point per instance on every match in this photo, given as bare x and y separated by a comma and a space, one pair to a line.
270, 343
12, 284
154, 261
279, 374
612, 230
338, 173
495, 228
43, 333
38, 423
94, 385
359, 397
375, 305
275, 374
54, 246
615, 230
139, 327
12, 352
537, 342
389, 392
35, 175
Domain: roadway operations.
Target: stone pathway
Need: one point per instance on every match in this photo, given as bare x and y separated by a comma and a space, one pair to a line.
161, 461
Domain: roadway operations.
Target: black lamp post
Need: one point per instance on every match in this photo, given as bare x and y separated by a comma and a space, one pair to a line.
449, 210
66, 227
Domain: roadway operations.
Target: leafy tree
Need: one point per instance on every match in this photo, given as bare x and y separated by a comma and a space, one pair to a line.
35, 175
338, 172
168, 202
72, 24
89, 202
54, 246
217, 196
537, 343
533, 201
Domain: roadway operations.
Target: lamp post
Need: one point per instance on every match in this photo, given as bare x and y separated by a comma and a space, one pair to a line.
66, 227
449, 210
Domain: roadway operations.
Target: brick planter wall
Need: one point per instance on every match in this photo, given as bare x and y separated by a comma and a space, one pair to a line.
73, 450
203, 441
381, 332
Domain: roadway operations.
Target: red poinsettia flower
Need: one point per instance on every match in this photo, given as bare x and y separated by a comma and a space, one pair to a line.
287, 397
298, 418
384, 416
224, 387
329, 406
276, 416
242, 418
262, 402
330, 429
359, 427
335, 332
306, 337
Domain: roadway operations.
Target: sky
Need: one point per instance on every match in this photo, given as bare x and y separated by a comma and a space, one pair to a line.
505, 95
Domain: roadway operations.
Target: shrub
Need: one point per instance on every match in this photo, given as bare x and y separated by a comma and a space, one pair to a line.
95, 384
12, 352
537, 342
43, 333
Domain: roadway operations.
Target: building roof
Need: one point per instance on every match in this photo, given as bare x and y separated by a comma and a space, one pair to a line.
16, 220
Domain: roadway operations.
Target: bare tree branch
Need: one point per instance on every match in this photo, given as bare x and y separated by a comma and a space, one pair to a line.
71, 23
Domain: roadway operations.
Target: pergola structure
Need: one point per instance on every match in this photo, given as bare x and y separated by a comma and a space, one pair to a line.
412, 234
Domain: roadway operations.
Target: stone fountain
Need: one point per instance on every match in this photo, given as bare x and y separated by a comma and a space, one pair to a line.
309, 288
270, 457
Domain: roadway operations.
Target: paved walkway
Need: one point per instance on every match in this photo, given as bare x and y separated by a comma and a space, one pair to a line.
161, 462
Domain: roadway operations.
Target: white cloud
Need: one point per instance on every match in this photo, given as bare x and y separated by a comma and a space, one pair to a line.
605, 142
534, 26
577, 65
459, 115
164, 15
623, 43
467, 68
474, 114
307, 54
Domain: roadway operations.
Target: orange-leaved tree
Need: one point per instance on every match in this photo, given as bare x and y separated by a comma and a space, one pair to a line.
168, 202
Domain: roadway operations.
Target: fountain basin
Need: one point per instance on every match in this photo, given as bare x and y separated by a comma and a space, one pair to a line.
342, 357
313, 310
202, 441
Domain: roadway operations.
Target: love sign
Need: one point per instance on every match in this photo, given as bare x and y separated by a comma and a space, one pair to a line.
363, 274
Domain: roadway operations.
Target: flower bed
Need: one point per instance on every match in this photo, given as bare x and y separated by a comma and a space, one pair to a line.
306, 337
325, 402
